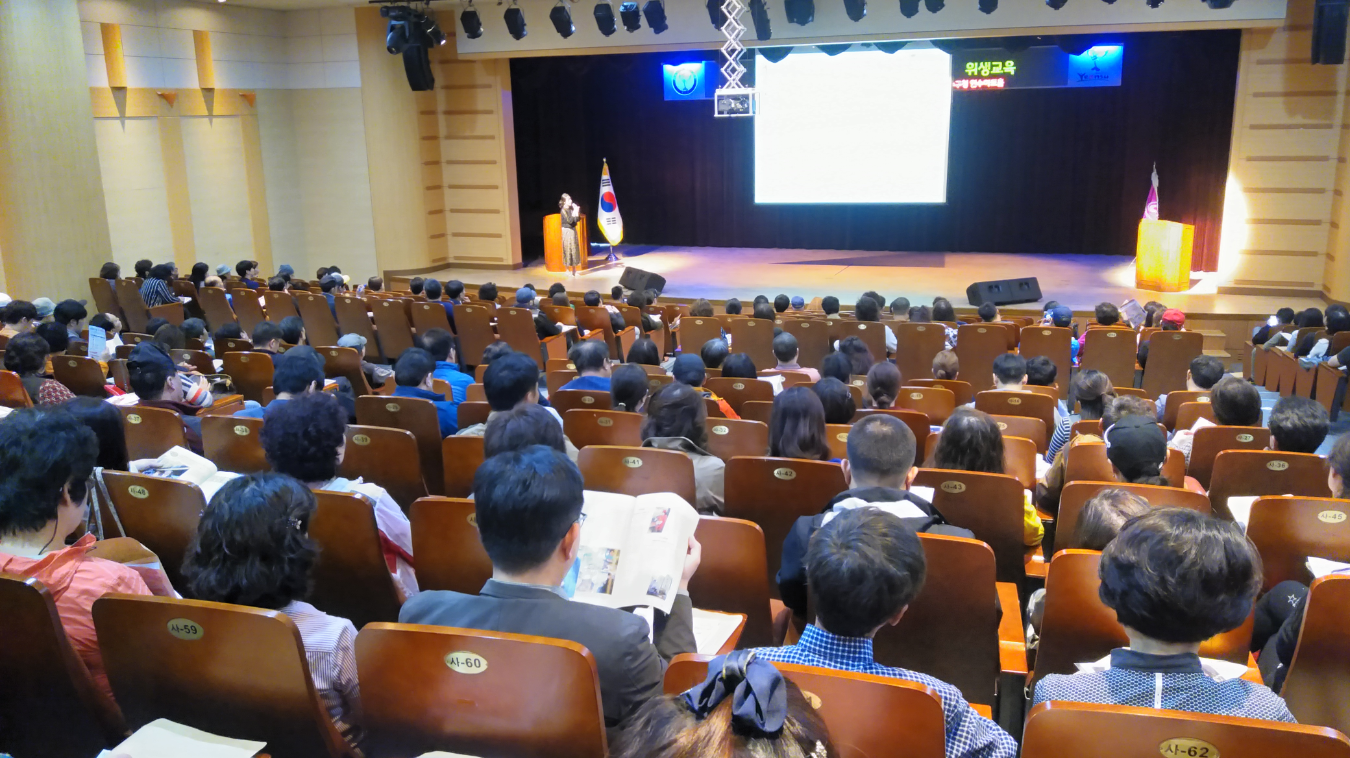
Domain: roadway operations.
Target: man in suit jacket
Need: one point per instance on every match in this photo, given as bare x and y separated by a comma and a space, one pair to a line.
529, 507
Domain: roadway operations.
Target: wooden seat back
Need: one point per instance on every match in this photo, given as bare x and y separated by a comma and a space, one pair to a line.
394, 327
696, 330
1076, 495
754, 337
429, 688
554, 379
813, 340
916, 421
460, 459
738, 391
595, 318
387, 457
471, 413
731, 577
161, 514
728, 438
1111, 350
105, 296
1265, 472
990, 505
134, 313
320, 326
353, 318
964, 393
1090, 426
350, 578
82, 376
427, 316
12, 392
1052, 342
474, 323
1025, 427
604, 427
977, 345
559, 314
1317, 687
872, 333
916, 345
279, 306
937, 403
1177, 399
231, 442
251, 372
1289, 530
566, 400
199, 360
225, 669
1212, 440
216, 307
837, 437
1026, 404
450, 555
151, 432
345, 362
516, 328
756, 410
1191, 412
248, 310
414, 415
1169, 358
637, 471
232, 345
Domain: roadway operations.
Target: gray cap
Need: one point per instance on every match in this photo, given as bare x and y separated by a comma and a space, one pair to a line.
223, 270
44, 306
352, 339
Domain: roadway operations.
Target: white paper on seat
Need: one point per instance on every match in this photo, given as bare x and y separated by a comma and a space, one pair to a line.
1241, 508
163, 738
1321, 567
712, 630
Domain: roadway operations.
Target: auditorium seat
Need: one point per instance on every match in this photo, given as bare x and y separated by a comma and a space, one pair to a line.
1091, 426
1087, 462
1112, 351
585, 427
836, 435
1289, 530
937, 403
228, 345
135, 314
1212, 440
560, 364
1280, 375
225, 669
1265, 472
696, 330
990, 505
1076, 495
232, 444
117, 371
637, 471
753, 337
279, 306
1026, 427
320, 326
450, 555
161, 514
566, 400
737, 391
916, 421
756, 410
731, 579
515, 327
82, 376
1317, 687
1026, 404
353, 317
476, 393
251, 372
1189, 413
199, 360
916, 345
977, 345
414, 415
460, 458
556, 378
51, 705
1051, 342
105, 298
964, 393
596, 319
387, 457
872, 333
558, 314
12, 393
248, 310
872, 715
657, 381
427, 316
350, 578
1177, 399
474, 325
1169, 358
728, 438
426, 688
1088, 730
812, 340
713, 409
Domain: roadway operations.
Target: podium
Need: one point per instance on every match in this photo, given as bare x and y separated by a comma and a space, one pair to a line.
553, 252
1162, 258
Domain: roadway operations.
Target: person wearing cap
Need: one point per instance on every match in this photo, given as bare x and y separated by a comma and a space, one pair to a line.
543, 325
155, 290
798, 303
45, 308
1235, 402
294, 372
19, 317
413, 375
155, 380
376, 375
1137, 449
71, 314
248, 273
1171, 320
222, 271
329, 285
1062, 316
286, 271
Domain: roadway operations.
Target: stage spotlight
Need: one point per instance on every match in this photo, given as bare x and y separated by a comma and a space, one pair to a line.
473, 25
1056, 4
632, 18
892, 47
988, 6
396, 38
515, 22
759, 16
833, 50
562, 20
856, 9
1154, 3
799, 12
715, 14
432, 31
604, 18
774, 54
655, 13
934, 6
1219, 4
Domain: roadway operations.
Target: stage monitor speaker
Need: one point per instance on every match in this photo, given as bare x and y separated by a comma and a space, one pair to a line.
636, 279
1328, 32
1005, 291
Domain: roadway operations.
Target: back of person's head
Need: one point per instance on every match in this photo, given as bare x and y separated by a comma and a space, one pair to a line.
689, 369
142, 268
701, 308
733, 307
292, 330
761, 299
740, 366
413, 367
920, 314
881, 448
266, 332
494, 351
763, 311
900, 306
58, 339
431, 289
322, 271
110, 270
590, 356
866, 309
1010, 368
509, 380
171, 337
713, 352
1337, 321
876, 298
521, 427
988, 312
107, 322
1298, 424
836, 399
946, 365
1102, 517
252, 545
297, 370
103, 418
415, 285
1338, 467
1311, 319
1127, 405
243, 267
454, 289
213, 281
637, 299
194, 328
1236, 402
943, 310
69, 310
644, 351
162, 271
1178, 575
438, 343
859, 356
616, 293
154, 324
1137, 448
1041, 371
148, 369
797, 426
375, 284
864, 568
1206, 371
676, 410
1093, 390
329, 283
526, 501
628, 388
560, 299
883, 384
970, 441
830, 305
229, 330
45, 457
781, 303
1285, 315
277, 284
487, 291
591, 298
302, 437
555, 288
785, 347
1107, 314
837, 365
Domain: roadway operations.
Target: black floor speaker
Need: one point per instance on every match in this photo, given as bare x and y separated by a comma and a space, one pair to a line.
636, 279
1005, 291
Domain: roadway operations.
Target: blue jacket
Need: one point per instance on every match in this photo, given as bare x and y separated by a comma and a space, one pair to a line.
588, 383
459, 381
260, 412
447, 411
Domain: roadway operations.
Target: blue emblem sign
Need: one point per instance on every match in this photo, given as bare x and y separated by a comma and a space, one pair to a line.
687, 81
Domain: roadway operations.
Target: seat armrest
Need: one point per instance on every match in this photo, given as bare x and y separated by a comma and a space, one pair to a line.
1012, 643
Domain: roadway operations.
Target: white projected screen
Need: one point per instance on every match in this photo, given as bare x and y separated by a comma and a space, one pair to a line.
859, 127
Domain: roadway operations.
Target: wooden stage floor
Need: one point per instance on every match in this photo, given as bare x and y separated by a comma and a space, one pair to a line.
1079, 281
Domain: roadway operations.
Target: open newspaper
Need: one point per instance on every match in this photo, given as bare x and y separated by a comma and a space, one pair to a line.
632, 550
184, 465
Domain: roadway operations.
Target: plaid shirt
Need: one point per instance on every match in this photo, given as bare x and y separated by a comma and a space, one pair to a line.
969, 735
330, 650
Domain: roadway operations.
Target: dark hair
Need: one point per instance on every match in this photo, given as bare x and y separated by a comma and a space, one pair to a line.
713, 352
797, 426
1093, 389
863, 567
988, 312
413, 367
946, 365
375, 284
1041, 371
555, 288
520, 428
105, 322
1206, 371
876, 298
142, 267
243, 267
643, 351
328, 283
487, 291
591, 298
883, 384
301, 437
627, 387
1338, 461
194, 328
230, 330
561, 299
1235, 402
785, 347
252, 545
881, 446
431, 289
739, 366
438, 343
106, 422
764, 311
1010, 368
1337, 322
154, 324
829, 304
970, 441
1298, 424
1178, 575
526, 501
1107, 314
494, 351
867, 309
616, 292
1118, 408
689, 369
943, 311
415, 285
782, 303
26, 354
900, 306
859, 356
292, 330
162, 271
1102, 517
761, 299
509, 379
67, 311
836, 399
590, 355
17, 311
265, 332
277, 284
454, 288
837, 365
296, 370
56, 336
920, 314
42, 453
676, 410
733, 307
322, 271
110, 270
171, 337
1311, 319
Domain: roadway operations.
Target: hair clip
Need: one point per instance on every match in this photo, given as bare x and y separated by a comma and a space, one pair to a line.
820, 751
757, 691
297, 524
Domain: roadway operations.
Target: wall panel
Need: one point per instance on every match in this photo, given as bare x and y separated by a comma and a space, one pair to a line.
132, 166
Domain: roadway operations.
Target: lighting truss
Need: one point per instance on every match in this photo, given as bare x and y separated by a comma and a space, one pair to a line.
733, 98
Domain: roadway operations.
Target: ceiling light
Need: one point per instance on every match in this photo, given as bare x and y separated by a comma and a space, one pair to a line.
856, 9
604, 17
562, 20
715, 14
473, 25
515, 21
759, 16
655, 13
799, 12
632, 17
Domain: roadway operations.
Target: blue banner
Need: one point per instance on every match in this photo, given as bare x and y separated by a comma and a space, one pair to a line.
689, 81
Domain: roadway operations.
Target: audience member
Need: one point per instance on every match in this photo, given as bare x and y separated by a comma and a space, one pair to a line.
837, 400
45, 307
413, 375
54, 335
1103, 516
106, 422
859, 356
732, 307
1010, 372
943, 312
293, 330
154, 324
701, 308
156, 290
1137, 449
1062, 316
645, 352
900, 309
628, 388
591, 357
1092, 389
111, 271
782, 303
971, 441
112, 331
230, 330
763, 311
1235, 402
155, 380
561, 300
988, 313
797, 426
521, 427
377, 374
946, 366
688, 370
171, 337
1284, 318
454, 292
1298, 425
528, 506
248, 273
70, 314
374, 284
487, 292
440, 344
195, 329
786, 351
677, 420
616, 293
883, 386
268, 339
713, 352
295, 372
544, 327
278, 284
431, 290
830, 306
870, 311
142, 268
740, 366
798, 303
922, 314
838, 366
511, 380
1205, 372
415, 284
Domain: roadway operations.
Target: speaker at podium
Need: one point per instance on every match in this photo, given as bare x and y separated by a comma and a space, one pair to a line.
553, 247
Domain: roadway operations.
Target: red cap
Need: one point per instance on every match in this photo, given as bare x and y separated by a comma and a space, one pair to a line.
1174, 316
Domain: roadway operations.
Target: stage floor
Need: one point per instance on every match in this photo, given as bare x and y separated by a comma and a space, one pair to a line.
718, 273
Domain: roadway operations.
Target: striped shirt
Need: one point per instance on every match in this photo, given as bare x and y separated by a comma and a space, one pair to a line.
330, 650
157, 292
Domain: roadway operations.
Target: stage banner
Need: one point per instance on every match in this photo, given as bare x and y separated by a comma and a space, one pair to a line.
611, 223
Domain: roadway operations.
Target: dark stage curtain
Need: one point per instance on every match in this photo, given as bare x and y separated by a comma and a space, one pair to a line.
1029, 171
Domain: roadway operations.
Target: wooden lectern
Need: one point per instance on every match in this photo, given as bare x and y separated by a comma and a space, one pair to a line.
553, 254
1162, 260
